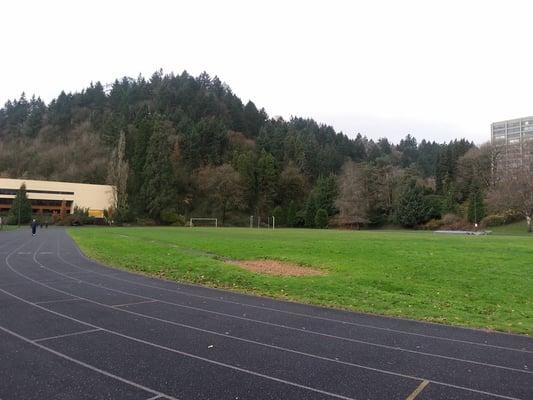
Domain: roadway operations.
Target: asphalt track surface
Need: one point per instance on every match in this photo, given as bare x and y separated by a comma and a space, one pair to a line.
71, 328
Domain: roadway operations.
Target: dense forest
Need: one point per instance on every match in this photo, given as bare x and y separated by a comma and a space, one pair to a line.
178, 146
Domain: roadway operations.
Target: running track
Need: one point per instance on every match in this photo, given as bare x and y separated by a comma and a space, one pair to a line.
71, 328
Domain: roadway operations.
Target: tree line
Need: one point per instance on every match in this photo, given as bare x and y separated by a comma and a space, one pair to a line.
177, 146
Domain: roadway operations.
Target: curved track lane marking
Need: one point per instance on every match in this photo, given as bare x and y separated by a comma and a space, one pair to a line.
88, 366
232, 337
287, 312
71, 359
151, 299
268, 377
148, 299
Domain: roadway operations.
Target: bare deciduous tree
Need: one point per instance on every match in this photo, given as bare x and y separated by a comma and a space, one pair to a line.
354, 197
514, 191
118, 176
479, 165
223, 186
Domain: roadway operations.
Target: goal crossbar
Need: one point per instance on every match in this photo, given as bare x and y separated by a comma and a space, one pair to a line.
191, 221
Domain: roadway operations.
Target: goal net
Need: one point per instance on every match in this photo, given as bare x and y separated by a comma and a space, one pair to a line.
198, 222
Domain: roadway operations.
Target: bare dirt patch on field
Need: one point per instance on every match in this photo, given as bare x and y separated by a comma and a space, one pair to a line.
273, 267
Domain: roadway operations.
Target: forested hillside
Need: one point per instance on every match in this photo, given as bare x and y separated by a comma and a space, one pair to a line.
186, 146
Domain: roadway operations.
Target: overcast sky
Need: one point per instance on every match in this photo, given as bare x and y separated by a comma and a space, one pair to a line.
435, 69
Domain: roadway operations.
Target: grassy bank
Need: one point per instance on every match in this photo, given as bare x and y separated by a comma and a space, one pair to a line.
516, 228
484, 282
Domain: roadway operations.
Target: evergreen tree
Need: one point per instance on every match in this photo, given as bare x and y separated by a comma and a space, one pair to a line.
450, 203
325, 194
359, 145
384, 146
321, 218
245, 164
267, 181
279, 214
476, 206
409, 150
158, 192
411, 209
140, 132
20, 212
291, 215
310, 212
277, 160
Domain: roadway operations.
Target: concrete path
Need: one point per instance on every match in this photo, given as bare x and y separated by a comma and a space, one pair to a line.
71, 328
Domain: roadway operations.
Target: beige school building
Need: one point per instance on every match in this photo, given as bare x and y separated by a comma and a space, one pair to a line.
49, 197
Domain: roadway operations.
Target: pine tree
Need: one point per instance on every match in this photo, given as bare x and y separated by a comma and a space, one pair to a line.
267, 180
321, 218
310, 212
326, 192
411, 209
158, 190
20, 212
291, 215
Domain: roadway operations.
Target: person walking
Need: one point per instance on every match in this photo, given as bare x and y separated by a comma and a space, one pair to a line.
33, 227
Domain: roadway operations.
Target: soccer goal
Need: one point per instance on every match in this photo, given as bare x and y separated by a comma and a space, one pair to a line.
204, 222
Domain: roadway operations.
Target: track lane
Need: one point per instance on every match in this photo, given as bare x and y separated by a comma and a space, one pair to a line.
35, 373
274, 364
394, 394
497, 381
504, 341
275, 334
498, 358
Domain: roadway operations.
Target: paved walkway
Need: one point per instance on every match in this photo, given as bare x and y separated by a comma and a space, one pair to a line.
71, 328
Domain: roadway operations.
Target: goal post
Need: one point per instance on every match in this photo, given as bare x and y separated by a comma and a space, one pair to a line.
204, 222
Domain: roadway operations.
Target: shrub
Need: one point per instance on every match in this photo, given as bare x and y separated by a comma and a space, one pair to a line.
169, 216
80, 216
181, 221
145, 222
512, 216
453, 222
449, 219
433, 225
11, 220
493, 220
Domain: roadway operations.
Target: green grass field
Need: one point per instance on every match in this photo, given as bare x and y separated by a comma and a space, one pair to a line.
484, 282
517, 228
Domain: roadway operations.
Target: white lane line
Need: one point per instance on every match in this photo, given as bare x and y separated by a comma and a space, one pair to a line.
292, 328
246, 340
208, 360
287, 312
418, 390
134, 304
66, 335
244, 370
88, 366
57, 301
